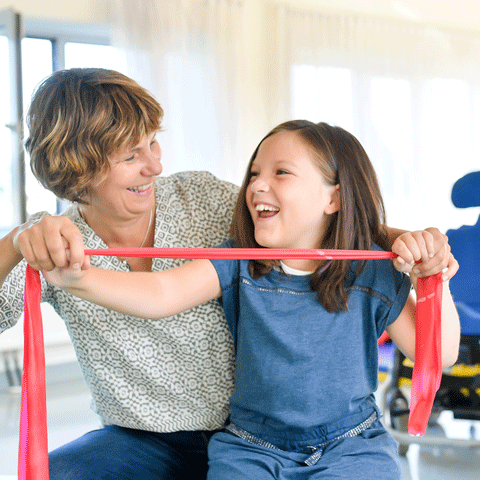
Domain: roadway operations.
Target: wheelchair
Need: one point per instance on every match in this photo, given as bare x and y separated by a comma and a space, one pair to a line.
459, 390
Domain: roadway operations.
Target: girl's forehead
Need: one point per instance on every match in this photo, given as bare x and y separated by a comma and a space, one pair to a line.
284, 146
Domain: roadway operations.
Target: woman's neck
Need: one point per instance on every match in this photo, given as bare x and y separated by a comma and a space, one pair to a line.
122, 233
135, 233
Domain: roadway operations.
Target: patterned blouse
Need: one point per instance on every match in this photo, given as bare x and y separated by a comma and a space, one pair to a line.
160, 375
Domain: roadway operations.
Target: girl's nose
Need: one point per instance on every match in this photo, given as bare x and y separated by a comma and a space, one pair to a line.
259, 185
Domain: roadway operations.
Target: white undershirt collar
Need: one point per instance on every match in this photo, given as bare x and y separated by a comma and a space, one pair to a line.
293, 271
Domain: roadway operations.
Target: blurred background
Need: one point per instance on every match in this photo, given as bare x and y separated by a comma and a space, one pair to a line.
401, 75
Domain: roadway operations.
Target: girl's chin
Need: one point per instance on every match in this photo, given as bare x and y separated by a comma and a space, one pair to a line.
266, 243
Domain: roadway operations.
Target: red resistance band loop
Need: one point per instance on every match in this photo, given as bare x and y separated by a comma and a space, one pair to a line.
427, 369
427, 372
33, 446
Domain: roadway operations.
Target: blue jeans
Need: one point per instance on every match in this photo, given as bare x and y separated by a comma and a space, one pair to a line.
334, 453
125, 454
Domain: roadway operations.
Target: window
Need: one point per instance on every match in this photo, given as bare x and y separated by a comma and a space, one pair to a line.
323, 94
37, 55
44, 49
413, 130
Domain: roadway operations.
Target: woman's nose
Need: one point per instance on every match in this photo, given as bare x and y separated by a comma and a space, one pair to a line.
153, 163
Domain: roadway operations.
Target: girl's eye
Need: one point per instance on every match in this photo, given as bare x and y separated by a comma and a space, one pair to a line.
253, 174
282, 172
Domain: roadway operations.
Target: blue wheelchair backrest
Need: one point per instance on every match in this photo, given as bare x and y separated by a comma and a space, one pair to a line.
465, 245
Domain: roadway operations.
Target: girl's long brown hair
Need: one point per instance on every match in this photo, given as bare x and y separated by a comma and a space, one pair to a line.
359, 223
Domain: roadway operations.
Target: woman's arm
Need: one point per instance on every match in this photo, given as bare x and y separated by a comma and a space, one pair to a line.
142, 294
9, 257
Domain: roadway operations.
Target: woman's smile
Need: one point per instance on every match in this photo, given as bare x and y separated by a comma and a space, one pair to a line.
143, 190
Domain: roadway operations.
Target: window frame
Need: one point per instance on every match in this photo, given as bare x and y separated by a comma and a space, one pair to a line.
59, 34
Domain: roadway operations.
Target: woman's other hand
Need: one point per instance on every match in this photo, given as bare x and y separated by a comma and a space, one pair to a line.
52, 241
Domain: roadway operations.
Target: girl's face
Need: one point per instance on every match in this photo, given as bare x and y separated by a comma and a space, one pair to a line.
128, 188
288, 198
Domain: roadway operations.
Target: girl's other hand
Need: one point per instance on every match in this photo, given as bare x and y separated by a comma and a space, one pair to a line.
67, 277
431, 248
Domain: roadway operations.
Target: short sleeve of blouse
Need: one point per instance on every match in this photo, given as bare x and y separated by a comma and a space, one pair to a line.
389, 286
228, 272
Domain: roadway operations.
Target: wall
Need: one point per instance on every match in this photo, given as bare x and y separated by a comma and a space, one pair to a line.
74, 11
465, 14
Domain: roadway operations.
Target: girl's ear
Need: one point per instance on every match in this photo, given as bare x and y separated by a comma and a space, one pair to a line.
334, 205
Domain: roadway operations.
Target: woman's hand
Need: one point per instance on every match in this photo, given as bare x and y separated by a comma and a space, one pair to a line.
50, 242
431, 248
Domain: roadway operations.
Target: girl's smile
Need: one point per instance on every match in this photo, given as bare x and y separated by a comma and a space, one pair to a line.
265, 211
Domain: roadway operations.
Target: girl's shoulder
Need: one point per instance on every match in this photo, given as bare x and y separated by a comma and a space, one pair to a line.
381, 276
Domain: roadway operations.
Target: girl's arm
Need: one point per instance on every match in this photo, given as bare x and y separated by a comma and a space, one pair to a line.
402, 330
142, 294
418, 246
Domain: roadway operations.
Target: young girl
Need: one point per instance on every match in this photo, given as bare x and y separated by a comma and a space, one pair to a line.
305, 331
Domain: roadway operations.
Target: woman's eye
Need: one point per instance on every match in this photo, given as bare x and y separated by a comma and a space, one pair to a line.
282, 172
129, 159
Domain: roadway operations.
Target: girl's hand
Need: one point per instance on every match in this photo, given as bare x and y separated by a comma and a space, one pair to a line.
50, 242
67, 277
431, 248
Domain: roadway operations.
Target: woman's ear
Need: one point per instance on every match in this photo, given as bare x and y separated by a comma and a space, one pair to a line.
334, 205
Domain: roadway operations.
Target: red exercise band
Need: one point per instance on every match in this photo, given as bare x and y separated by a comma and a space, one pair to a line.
243, 253
33, 447
427, 372
427, 368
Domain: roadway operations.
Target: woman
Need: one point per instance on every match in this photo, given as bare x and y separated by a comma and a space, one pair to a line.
160, 393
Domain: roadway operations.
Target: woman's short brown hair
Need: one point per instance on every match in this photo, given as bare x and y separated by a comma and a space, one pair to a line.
77, 119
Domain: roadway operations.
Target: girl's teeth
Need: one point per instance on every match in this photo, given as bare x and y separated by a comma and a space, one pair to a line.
262, 208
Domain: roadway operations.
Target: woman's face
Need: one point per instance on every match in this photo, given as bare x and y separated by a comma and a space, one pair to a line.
128, 188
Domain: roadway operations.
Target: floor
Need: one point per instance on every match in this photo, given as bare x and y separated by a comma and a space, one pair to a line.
69, 416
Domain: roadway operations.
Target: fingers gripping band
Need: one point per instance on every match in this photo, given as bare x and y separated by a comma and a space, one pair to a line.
33, 445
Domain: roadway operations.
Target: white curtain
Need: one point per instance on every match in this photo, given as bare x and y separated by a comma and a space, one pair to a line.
191, 54
409, 92
227, 71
